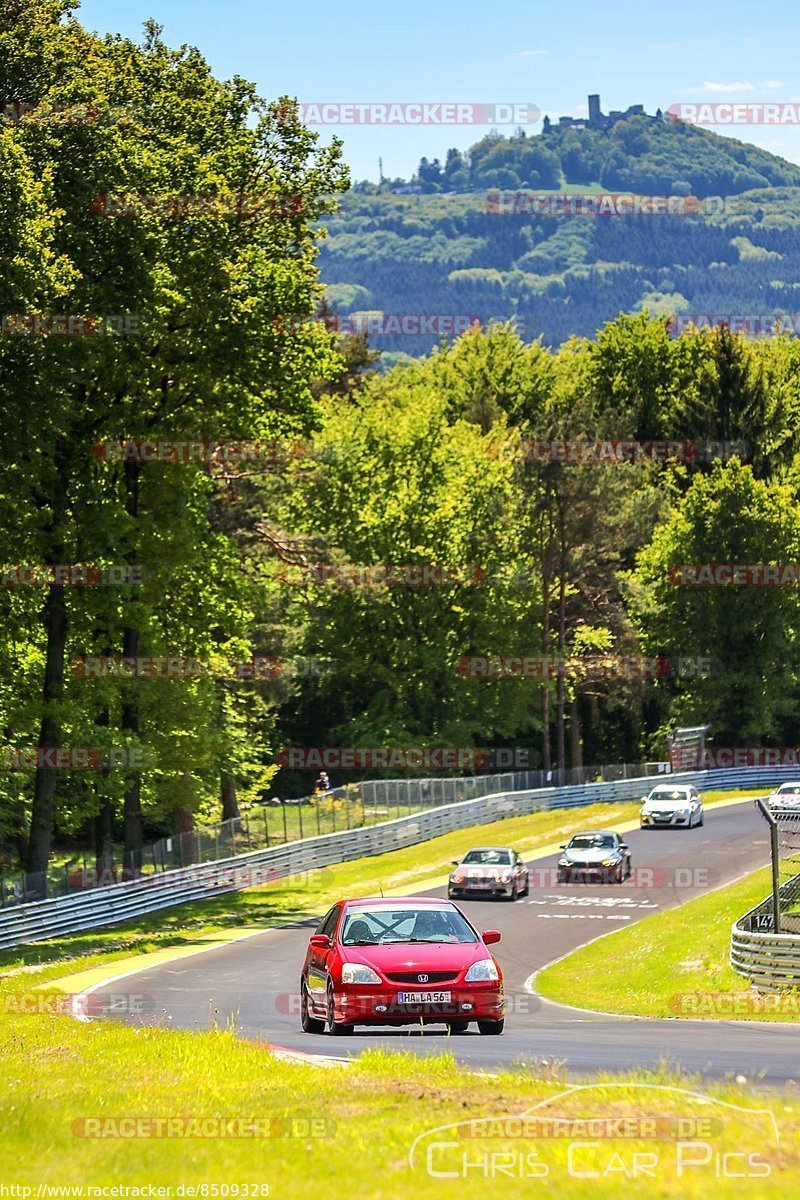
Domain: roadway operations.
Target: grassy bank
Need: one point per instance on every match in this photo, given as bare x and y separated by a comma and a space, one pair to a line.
81, 1106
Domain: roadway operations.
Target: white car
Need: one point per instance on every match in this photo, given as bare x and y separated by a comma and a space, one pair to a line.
671, 806
786, 798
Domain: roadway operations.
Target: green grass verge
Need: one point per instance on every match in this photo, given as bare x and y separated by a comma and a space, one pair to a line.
672, 964
79, 1106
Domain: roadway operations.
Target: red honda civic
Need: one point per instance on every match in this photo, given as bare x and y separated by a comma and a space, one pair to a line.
399, 962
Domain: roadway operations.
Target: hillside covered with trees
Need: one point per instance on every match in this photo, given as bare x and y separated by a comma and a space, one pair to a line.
442, 243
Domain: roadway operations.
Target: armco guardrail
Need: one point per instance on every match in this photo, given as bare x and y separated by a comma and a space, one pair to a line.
105, 906
771, 961
368, 802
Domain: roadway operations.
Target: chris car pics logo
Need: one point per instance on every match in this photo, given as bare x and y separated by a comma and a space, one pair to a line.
643, 1131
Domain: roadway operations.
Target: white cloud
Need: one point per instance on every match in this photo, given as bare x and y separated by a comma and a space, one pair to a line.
774, 83
530, 53
741, 86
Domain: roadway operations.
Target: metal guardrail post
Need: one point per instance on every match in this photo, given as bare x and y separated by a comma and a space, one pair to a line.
776, 883
769, 817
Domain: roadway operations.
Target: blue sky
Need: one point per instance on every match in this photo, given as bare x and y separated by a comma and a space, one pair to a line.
550, 56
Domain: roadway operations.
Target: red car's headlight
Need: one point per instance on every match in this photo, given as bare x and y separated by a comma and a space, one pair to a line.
483, 971
356, 973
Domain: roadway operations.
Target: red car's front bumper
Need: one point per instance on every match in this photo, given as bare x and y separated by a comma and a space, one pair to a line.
376, 1005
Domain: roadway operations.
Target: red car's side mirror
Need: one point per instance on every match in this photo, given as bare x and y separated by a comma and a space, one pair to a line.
490, 936
320, 940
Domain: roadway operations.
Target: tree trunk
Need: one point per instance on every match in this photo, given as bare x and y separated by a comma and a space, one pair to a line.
561, 683
576, 747
55, 624
18, 830
132, 807
104, 840
546, 563
230, 801
184, 825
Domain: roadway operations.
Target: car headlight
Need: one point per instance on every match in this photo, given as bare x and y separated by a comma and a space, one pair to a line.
609, 862
681, 811
564, 862
483, 970
356, 973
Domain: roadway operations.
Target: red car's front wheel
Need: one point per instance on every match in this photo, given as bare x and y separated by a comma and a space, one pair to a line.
308, 1023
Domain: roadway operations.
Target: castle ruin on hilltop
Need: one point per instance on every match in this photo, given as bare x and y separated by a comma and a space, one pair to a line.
597, 119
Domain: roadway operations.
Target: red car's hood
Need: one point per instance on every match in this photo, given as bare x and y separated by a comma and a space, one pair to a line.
417, 956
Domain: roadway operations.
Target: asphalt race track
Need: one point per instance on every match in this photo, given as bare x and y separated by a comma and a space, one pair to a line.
255, 983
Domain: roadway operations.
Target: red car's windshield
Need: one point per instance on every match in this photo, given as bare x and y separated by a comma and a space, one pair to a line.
382, 926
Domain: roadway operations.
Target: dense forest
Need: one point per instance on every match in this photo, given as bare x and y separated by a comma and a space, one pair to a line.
324, 542
446, 242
